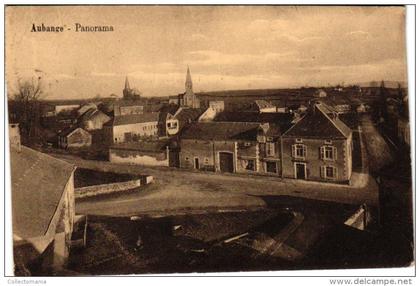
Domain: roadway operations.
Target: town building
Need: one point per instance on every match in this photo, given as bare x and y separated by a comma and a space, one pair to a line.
233, 147
217, 105
134, 127
261, 105
129, 107
85, 107
318, 147
65, 108
42, 211
281, 106
93, 119
341, 103
74, 137
184, 116
320, 93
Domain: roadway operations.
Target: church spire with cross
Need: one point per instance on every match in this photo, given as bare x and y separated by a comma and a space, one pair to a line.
189, 98
188, 81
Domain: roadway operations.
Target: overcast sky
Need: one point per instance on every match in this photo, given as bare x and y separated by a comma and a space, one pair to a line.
225, 48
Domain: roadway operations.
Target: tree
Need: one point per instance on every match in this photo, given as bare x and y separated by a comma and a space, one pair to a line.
27, 105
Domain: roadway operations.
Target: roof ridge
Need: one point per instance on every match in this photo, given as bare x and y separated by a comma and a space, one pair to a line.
332, 121
291, 127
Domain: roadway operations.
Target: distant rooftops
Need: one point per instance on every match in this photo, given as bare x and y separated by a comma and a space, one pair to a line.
134, 119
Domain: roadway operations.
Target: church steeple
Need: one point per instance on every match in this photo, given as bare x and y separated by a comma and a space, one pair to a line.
127, 84
188, 82
189, 98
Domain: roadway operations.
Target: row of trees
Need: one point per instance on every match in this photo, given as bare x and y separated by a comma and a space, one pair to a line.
25, 107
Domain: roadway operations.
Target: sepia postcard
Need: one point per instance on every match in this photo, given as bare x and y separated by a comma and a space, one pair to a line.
207, 139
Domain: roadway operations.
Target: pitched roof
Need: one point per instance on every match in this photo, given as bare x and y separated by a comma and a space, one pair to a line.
38, 182
283, 120
135, 118
130, 102
263, 104
66, 132
318, 124
170, 108
90, 114
220, 131
187, 115
243, 116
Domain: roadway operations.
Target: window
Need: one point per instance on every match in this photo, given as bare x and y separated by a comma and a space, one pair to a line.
299, 140
328, 153
250, 165
187, 159
329, 172
271, 167
328, 141
168, 125
270, 149
299, 151
247, 144
206, 161
269, 139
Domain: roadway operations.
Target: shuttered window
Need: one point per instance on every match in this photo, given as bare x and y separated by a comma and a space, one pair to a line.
328, 153
299, 151
328, 172
270, 149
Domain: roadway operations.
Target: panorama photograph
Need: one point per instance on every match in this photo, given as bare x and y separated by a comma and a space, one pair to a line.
207, 139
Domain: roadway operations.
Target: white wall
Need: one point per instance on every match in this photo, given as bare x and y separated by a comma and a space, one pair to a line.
138, 159
137, 128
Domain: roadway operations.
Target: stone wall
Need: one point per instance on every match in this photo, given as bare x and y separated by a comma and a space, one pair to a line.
102, 189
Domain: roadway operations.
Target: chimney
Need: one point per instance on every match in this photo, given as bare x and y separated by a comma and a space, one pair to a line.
14, 136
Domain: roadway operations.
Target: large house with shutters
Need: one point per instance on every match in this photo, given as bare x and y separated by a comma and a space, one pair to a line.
318, 147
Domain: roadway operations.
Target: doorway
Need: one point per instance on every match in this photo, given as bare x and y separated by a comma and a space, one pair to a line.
226, 162
196, 163
300, 171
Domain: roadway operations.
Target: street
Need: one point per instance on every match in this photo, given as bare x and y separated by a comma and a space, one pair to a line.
177, 190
